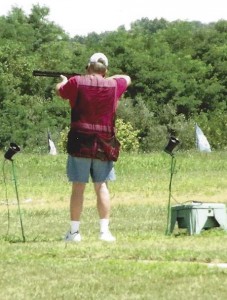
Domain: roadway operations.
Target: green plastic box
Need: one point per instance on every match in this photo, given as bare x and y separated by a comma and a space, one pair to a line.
196, 216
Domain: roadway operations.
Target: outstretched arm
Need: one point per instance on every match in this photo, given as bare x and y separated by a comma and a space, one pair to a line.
126, 77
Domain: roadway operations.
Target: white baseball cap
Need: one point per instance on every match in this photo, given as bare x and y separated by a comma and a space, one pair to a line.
95, 58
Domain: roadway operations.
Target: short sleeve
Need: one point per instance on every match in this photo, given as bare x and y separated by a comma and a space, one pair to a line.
69, 90
121, 86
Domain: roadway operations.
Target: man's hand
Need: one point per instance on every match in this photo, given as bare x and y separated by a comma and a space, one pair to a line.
64, 80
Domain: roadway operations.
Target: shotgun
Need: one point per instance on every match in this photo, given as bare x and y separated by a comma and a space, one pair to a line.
53, 73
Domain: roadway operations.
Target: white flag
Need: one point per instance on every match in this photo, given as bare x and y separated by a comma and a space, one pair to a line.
201, 140
51, 146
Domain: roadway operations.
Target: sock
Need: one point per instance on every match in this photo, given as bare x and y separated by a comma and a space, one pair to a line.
104, 225
75, 226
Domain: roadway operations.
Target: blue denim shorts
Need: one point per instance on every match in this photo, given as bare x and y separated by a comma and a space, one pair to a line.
79, 169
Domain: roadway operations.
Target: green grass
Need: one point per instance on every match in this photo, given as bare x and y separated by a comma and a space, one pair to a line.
144, 263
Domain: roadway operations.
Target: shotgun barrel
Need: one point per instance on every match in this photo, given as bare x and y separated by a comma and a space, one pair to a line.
53, 73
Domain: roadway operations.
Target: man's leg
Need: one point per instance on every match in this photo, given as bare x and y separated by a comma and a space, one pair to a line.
76, 207
78, 171
103, 207
76, 200
103, 200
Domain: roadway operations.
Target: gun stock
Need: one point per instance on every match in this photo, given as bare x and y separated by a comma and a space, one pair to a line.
53, 73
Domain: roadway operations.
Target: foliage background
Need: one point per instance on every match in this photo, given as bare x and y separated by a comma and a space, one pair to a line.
178, 72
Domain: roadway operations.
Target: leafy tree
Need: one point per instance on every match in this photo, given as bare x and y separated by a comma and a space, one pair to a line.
178, 72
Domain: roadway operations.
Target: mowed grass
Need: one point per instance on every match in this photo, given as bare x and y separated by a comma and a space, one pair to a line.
144, 263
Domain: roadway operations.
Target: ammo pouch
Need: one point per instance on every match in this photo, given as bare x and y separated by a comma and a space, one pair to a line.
93, 145
107, 148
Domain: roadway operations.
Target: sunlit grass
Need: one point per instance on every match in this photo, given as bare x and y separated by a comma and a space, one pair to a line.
144, 263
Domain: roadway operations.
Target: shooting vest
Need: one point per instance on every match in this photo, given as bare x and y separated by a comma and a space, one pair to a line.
92, 133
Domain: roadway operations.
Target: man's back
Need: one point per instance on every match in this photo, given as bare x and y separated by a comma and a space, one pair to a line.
96, 98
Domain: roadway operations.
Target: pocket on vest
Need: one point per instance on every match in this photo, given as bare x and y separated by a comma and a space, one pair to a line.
80, 144
108, 148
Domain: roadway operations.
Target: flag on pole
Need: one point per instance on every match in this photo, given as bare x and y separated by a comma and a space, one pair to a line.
201, 140
51, 147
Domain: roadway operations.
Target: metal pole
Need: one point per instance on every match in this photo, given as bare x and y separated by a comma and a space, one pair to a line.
6, 195
173, 163
18, 202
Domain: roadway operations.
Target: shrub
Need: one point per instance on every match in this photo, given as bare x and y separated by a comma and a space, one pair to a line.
62, 143
127, 136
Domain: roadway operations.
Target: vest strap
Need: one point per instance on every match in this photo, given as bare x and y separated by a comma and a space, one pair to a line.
92, 127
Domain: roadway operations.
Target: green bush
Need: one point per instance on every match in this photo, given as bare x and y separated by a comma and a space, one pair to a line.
62, 143
127, 136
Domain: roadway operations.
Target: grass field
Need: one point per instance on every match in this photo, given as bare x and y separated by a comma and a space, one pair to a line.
144, 263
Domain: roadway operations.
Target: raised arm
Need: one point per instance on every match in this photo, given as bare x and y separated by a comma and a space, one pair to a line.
126, 77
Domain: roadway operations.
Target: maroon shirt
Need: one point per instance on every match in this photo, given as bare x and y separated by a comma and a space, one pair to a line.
92, 97
93, 100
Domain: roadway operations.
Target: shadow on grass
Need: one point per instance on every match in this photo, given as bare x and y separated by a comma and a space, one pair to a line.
37, 239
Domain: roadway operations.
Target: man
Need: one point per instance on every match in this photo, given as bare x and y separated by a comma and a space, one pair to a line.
92, 145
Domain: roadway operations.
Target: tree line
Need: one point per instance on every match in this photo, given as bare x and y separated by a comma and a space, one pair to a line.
178, 72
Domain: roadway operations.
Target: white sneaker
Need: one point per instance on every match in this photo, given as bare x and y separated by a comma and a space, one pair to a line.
73, 237
107, 237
